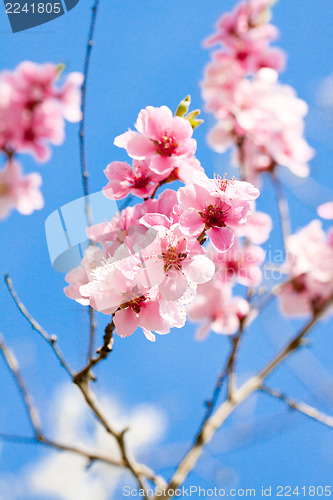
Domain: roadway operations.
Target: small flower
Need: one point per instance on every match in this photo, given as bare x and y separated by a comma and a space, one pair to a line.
162, 139
216, 207
19, 191
139, 180
217, 310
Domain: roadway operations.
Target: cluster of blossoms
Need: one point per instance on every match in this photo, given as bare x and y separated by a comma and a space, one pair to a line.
309, 267
33, 110
215, 306
149, 261
262, 118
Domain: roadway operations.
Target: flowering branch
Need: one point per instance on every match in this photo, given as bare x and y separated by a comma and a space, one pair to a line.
303, 408
237, 396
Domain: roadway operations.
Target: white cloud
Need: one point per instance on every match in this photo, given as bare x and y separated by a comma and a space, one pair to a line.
64, 475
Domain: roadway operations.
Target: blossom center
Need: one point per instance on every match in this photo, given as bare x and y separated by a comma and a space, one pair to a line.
135, 302
214, 215
166, 146
173, 259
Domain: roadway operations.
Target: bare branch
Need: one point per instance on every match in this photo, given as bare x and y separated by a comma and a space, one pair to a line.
215, 421
13, 367
50, 339
139, 471
83, 161
303, 408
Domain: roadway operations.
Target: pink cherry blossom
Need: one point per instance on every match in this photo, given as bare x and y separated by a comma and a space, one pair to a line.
19, 191
82, 275
174, 260
245, 36
217, 310
33, 108
216, 207
240, 263
309, 267
161, 138
126, 222
265, 120
258, 227
139, 180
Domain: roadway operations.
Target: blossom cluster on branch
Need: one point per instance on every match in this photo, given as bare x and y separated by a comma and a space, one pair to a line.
33, 110
255, 113
151, 257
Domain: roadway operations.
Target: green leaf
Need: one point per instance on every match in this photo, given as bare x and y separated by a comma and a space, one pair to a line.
183, 106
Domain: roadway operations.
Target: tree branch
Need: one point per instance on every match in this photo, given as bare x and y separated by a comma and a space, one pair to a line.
13, 367
215, 421
50, 339
83, 161
303, 408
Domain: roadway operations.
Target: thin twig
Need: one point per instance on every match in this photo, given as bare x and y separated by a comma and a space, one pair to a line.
29, 405
83, 161
303, 408
50, 339
283, 209
103, 353
215, 421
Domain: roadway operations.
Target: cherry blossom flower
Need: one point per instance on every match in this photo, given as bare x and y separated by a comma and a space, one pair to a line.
309, 267
265, 120
216, 207
162, 139
217, 310
19, 191
173, 260
245, 35
139, 180
33, 108
240, 263
258, 227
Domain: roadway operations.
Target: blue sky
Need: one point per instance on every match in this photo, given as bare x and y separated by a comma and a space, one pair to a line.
150, 53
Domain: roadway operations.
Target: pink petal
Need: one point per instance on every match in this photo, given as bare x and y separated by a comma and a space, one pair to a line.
162, 164
155, 220
222, 238
139, 147
149, 335
191, 222
126, 322
174, 285
122, 140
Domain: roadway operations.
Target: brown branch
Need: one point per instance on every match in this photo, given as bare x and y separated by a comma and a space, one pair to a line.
103, 352
139, 471
215, 421
50, 339
303, 408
